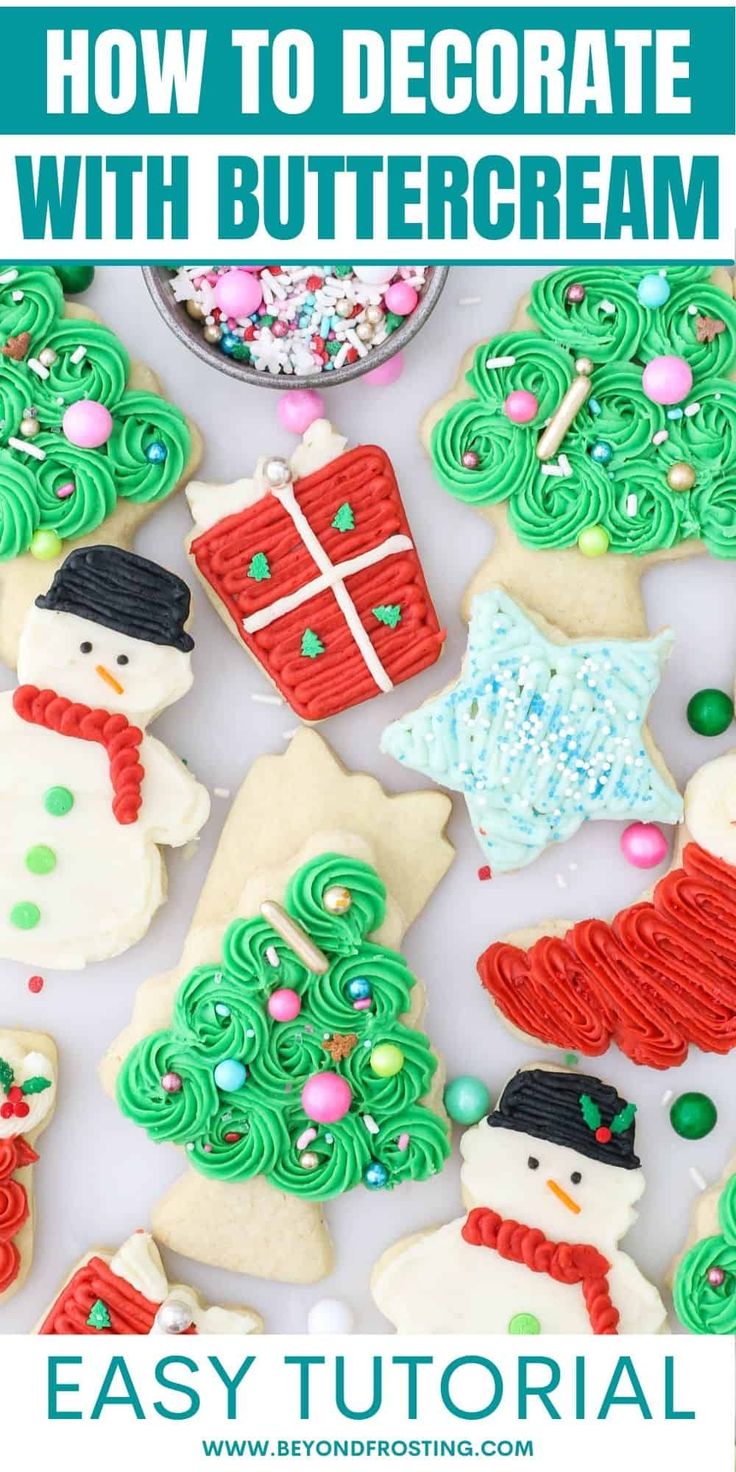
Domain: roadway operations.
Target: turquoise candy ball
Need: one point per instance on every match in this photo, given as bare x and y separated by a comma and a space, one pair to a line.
467, 1099
375, 1175
230, 1075
653, 290
693, 1116
601, 452
358, 989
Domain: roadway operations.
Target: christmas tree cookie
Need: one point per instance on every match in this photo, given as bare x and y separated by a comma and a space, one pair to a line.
128, 1292
88, 447
283, 1054
540, 733
312, 565
596, 437
28, 1069
657, 979
550, 1182
703, 1278
86, 794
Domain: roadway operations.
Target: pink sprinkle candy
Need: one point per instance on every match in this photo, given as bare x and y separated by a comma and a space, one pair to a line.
387, 372
362, 1005
67, 490
401, 298
299, 407
402, 1141
306, 1138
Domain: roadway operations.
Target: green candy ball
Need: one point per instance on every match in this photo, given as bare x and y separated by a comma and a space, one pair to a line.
75, 278
593, 541
387, 1060
45, 545
710, 712
693, 1116
467, 1099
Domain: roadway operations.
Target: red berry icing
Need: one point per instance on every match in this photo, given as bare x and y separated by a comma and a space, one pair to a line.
603, 1134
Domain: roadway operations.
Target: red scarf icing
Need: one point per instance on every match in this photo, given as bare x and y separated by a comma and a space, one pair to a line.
14, 1153
659, 977
130, 1312
566, 1262
120, 740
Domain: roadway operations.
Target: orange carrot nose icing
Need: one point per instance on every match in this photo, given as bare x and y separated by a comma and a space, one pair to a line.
109, 679
562, 1196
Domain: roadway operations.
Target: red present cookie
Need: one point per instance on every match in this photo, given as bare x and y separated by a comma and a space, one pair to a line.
128, 1293
313, 565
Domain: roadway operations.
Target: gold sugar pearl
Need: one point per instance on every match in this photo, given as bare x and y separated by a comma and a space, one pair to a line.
195, 309
681, 476
308, 1160
29, 427
337, 899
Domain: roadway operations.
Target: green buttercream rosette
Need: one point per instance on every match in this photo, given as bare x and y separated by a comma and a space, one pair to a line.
608, 323
704, 1290
505, 453
358, 1002
644, 515
49, 362
673, 328
552, 510
538, 366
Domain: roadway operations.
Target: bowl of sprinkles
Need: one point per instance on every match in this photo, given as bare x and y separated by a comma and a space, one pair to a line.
293, 326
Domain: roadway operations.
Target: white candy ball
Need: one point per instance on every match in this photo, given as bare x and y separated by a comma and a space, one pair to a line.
173, 1317
375, 275
330, 1316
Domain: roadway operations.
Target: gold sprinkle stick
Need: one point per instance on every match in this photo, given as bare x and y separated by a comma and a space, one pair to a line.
551, 438
296, 938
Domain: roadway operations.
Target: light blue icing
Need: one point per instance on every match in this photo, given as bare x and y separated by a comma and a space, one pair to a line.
538, 735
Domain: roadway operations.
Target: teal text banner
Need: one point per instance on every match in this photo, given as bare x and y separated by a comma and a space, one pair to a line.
502, 70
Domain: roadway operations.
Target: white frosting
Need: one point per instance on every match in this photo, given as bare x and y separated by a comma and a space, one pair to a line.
27, 1065
109, 878
710, 807
441, 1284
138, 1261
210, 503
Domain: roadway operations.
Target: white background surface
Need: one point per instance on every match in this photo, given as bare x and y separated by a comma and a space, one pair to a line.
99, 1175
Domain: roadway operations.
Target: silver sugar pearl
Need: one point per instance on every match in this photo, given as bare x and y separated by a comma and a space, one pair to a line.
47, 356
174, 1317
308, 1160
277, 472
364, 331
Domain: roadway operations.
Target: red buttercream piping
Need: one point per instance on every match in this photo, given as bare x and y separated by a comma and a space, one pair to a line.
657, 979
14, 1153
130, 1312
566, 1262
120, 740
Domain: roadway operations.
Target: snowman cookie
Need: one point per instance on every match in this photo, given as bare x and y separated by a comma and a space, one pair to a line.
596, 438
128, 1292
88, 446
284, 1055
313, 566
28, 1071
551, 1181
86, 794
659, 977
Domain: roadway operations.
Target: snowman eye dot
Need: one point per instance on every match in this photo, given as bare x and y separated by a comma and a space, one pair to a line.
532, 1162
576, 1178
122, 659
86, 647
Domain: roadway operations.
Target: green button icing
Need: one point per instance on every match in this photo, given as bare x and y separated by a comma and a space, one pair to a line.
524, 1324
58, 801
221, 1013
25, 915
40, 859
629, 497
29, 503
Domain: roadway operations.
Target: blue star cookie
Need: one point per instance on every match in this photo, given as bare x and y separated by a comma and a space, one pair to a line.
539, 735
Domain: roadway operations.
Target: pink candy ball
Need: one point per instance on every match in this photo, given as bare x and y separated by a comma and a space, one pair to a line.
520, 406
401, 298
284, 1004
238, 293
87, 424
387, 372
667, 380
299, 408
643, 845
326, 1097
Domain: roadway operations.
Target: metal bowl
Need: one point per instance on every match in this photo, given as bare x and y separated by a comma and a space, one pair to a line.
190, 333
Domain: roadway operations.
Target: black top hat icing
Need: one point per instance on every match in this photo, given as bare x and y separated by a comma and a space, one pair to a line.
572, 1109
122, 591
